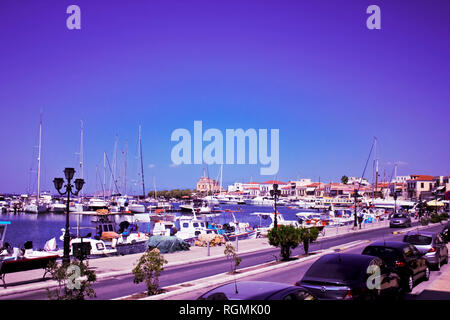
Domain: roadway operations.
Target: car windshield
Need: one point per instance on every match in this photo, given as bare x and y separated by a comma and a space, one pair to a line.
337, 271
398, 215
417, 239
389, 255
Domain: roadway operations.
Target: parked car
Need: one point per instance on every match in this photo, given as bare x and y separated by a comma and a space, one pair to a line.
445, 234
431, 245
403, 259
257, 290
400, 220
344, 276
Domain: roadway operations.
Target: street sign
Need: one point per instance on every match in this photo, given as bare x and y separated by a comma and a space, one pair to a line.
447, 195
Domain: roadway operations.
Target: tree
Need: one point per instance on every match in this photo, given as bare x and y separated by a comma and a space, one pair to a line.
307, 236
231, 255
148, 269
70, 287
344, 179
286, 238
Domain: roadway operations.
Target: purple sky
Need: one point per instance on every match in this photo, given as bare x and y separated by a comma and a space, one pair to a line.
309, 68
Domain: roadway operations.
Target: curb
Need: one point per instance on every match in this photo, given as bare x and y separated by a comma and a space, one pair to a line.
415, 228
224, 278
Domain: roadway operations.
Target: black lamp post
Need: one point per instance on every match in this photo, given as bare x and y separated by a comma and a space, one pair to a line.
58, 182
355, 195
275, 193
395, 201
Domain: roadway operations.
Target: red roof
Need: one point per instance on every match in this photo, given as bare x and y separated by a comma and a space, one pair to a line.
273, 182
314, 184
421, 177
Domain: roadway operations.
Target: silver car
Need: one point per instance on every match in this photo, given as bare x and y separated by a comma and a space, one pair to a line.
400, 220
431, 245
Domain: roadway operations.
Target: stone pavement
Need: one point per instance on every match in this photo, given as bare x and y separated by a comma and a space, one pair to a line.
121, 265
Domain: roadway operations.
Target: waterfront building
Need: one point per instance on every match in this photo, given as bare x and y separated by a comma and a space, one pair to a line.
420, 187
265, 187
356, 180
207, 185
297, 188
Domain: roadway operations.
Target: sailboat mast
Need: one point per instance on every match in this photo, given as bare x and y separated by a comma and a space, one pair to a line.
113, 170
104, 175
81, 156
376, 165
126, 154
39, 161
221, 175
142, 163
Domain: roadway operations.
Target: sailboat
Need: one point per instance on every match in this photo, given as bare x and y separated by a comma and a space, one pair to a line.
35, 206
135, 206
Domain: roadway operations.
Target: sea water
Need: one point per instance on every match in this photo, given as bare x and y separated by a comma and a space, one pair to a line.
39, 228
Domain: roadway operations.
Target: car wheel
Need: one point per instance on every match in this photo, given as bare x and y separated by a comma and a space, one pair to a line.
426, 277
409, 284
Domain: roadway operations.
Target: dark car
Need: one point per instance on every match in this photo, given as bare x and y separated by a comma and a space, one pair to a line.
403, 259
344, 276
400, 220
445, 233
431, 245
257, 290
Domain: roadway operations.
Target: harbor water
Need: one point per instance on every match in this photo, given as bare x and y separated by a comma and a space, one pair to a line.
39, 228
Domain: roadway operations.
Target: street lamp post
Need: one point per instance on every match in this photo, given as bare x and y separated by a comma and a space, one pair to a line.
355, 195
58, 182
395, 201
275, 193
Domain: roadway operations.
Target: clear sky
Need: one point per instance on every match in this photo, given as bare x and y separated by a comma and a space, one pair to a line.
311, 69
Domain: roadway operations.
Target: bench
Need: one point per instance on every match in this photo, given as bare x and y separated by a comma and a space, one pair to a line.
25, 264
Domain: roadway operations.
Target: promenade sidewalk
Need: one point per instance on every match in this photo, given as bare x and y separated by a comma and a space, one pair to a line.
439, 289
122, 265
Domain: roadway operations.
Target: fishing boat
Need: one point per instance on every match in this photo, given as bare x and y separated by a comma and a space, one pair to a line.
196, 205
190, 227
110, 238
240, 230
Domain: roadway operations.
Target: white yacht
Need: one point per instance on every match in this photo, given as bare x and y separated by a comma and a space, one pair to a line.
96, 204
136, 207
57, 207
262, 201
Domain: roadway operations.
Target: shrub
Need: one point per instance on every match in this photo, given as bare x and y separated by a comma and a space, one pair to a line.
424, 221
148, 269
443, 216
307, 236
435, 218
70, 287
286, 238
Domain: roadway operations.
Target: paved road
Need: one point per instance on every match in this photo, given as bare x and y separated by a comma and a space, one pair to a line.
123, 285
290, 275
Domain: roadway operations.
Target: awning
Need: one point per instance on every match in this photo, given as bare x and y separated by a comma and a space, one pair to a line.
310, 189
435, 203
